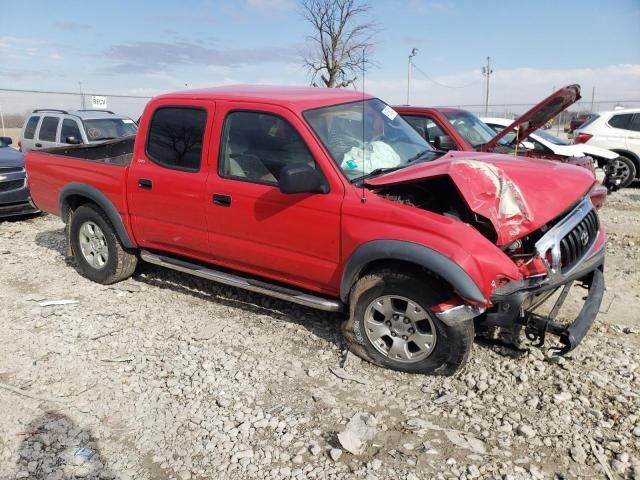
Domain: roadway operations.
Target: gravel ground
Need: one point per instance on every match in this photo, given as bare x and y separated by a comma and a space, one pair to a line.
167, 376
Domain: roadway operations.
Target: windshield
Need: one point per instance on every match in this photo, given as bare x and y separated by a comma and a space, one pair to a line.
383, 141
474, 130
3, 143
108, 128
550, 138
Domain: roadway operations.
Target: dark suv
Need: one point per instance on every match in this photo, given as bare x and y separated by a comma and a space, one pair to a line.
14, 194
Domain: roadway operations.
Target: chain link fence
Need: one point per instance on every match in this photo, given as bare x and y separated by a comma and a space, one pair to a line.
16, 104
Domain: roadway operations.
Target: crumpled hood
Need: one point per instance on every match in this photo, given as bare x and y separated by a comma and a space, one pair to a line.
10, 157
517, 195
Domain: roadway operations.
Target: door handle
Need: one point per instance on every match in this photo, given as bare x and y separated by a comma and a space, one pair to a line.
38, 145
222, 200
146, 184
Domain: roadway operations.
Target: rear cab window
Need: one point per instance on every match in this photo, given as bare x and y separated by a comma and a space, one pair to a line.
30, 128
175, 137
48, 129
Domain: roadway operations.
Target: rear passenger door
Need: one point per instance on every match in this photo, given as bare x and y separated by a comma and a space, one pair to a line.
253, 226
47, 136
167, 178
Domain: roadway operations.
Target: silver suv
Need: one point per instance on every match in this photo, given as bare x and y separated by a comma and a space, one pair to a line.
46, 128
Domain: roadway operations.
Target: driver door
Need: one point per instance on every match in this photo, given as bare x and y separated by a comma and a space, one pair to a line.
255, 227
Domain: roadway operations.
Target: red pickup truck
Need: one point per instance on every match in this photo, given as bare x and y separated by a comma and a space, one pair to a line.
329, 199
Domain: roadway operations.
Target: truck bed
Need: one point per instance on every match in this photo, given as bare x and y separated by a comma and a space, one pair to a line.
103, 166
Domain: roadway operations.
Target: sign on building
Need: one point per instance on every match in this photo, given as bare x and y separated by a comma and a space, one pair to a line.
98, 102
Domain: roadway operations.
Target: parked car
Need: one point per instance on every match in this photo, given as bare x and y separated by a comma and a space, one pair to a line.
329, 199
456, 129
578, 121
14, 193
549, 145
618, 131
46, 128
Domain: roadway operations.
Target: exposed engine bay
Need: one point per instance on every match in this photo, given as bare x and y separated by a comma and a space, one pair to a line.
439, 195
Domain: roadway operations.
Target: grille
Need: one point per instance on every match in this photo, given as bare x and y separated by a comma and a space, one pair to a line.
10, 169
11, 185
578, 241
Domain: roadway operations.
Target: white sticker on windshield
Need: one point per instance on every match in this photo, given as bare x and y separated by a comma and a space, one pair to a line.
389, 112
125, 120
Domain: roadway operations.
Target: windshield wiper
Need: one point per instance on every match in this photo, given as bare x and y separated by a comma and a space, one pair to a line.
377, 171
419, 155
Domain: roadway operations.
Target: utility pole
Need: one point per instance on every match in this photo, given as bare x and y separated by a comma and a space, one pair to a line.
487, 71
82, 95
414, 52
593, 95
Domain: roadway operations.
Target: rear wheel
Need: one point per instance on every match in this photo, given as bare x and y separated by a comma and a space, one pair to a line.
625, 169
391, 325
97, 249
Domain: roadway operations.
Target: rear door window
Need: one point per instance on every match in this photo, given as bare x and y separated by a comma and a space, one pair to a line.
69, 129
48, 129
634, 124
30, 129
175, 137
621, 120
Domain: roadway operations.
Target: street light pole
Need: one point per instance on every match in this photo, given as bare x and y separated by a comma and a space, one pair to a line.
414, 52
487, 71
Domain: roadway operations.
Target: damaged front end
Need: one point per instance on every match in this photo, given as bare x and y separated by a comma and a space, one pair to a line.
572, 251
553, 253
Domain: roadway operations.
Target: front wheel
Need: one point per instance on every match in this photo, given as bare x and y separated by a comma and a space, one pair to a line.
97, 249
391, 325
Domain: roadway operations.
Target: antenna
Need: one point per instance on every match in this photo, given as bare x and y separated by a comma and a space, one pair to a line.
364, 198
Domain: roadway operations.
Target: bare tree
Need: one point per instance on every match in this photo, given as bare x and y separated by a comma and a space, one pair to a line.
340, 42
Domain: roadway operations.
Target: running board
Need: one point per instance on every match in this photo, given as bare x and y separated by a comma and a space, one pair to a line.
258, 286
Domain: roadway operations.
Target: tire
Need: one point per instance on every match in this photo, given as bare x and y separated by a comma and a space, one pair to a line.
451, 345
627, 167
97, 249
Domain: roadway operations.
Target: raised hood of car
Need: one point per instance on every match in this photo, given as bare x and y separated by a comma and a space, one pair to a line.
538, 115
517, 195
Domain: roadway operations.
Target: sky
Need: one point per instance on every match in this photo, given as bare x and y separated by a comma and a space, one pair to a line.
146, 48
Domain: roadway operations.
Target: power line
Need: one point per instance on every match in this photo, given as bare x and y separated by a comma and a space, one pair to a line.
72, 93
441, 84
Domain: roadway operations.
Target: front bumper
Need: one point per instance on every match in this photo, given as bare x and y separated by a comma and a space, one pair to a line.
14, 195
516, 311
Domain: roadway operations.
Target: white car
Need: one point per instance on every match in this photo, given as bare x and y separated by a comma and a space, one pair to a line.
544, 142
619, 131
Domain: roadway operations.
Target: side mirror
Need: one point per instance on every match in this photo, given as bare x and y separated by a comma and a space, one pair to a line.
301, 178
6, 140
73, 140
444, 142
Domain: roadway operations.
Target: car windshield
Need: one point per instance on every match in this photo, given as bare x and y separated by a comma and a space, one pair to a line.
383, 141
3, 143
550, 138
107, 128
474, 130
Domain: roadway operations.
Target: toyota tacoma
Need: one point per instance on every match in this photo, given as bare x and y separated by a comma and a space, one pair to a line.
329, 199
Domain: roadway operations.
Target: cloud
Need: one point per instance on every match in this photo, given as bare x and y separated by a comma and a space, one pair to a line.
149, 57
523, 86
69, 26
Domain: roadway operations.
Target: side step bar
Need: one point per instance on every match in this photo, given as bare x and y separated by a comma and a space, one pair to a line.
258, 286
